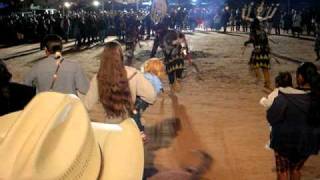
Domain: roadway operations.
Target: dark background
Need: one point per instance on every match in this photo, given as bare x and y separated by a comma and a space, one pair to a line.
8, 6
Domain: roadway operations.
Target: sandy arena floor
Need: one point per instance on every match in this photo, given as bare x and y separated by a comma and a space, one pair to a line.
219, 114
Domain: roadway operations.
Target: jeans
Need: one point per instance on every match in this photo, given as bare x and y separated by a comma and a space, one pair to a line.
140, 107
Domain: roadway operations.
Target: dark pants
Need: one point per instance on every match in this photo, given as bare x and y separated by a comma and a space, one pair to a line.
140, 107
174, 75
156, 44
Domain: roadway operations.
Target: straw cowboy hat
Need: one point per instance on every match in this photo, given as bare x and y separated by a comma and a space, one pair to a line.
52, 138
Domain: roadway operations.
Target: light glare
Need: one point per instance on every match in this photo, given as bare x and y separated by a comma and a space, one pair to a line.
96, 3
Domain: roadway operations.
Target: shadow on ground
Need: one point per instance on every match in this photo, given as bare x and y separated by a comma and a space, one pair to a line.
174, 133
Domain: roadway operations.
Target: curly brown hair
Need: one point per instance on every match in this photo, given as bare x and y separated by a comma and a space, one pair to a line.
113, 85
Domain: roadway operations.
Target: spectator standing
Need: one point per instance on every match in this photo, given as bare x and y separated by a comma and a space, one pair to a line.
56, 73
295, 120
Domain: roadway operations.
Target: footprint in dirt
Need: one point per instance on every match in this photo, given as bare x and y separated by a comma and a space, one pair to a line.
200, 54
145, 54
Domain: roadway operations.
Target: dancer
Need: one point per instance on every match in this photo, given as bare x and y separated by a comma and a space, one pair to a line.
175, 49
260, 57
131, 38
160, 31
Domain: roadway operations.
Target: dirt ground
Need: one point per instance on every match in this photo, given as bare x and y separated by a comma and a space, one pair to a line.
219, 113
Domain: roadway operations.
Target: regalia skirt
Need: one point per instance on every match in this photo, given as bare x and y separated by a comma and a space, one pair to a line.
260, 59
174, 69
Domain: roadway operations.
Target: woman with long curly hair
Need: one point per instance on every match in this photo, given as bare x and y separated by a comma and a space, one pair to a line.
117, 86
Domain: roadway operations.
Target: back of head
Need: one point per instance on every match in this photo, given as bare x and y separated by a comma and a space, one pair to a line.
284, 79
308, 71
154, 66
170, 37
53, 44
113, 83
310, 76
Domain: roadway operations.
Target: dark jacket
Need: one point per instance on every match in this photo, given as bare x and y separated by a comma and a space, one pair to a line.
291, 135
13, 97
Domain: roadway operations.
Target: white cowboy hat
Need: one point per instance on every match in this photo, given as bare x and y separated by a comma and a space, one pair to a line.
52, 138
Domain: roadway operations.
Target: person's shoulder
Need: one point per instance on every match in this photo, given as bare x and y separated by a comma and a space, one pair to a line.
40, 63
71, 64
291, 91
70, 61
147, 75
131, 70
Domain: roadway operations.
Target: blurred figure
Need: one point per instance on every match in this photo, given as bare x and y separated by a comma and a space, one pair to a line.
317, 42
65, 26
296, 24
225, 18
13, 96
188, 173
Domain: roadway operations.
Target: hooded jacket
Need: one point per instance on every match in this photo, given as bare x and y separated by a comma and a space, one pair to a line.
292, 136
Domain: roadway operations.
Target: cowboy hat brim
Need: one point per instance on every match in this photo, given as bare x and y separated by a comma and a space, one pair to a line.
122, 149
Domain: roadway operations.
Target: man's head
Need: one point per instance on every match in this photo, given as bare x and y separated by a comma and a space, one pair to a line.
53, 44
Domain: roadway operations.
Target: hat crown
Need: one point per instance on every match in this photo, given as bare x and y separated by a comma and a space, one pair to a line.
50, 139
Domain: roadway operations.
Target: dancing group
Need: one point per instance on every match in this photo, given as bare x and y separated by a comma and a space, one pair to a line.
293, 113
122, 92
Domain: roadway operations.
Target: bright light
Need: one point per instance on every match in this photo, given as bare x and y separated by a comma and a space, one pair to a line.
149, 3
67, 4
96, 3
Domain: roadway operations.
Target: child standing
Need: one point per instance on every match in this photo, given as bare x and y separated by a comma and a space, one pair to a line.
283, 83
